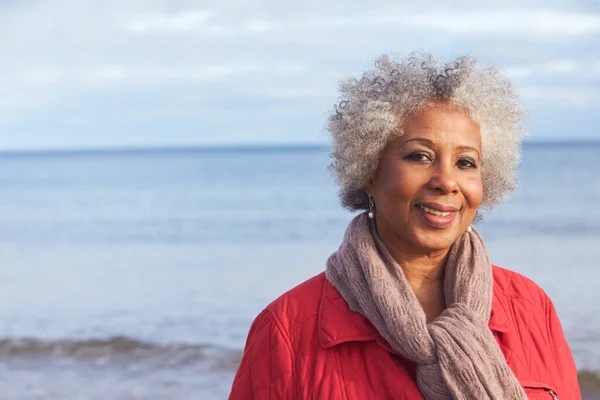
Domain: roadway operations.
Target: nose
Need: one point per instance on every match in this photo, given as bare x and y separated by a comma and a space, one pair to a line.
444, 179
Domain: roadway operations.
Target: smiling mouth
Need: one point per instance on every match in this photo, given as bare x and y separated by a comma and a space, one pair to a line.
436, 212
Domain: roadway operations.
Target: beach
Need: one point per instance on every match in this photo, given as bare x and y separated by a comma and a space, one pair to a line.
136, 275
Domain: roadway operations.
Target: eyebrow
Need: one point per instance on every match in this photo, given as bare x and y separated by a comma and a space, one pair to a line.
432, 143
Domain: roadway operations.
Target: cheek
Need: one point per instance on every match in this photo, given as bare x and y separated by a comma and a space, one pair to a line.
473, 191
399, 186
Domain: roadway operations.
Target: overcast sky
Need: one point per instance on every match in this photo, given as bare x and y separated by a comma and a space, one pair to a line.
77, 73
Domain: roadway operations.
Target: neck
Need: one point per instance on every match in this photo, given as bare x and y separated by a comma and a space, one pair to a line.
419, 267
425, 273
421, 270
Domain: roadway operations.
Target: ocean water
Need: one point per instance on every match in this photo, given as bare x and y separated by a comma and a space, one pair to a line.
136, 275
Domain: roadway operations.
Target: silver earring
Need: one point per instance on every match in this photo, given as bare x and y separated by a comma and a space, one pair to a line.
371, 208
469, 229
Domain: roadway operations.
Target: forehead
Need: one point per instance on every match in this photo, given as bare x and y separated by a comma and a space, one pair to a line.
444, 124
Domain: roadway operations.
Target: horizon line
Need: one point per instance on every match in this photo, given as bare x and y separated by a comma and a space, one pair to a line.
200, 148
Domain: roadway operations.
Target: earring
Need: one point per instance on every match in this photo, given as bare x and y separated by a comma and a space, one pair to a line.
371, 208
469, 229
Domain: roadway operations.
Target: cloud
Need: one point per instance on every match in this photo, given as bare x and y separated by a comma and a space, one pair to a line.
548, 24
116, 61
293, 93
541, 23
124, 75
180, 21
578, 97
35, 88
558, 67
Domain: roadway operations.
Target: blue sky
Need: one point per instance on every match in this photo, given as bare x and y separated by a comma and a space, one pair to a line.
123, 73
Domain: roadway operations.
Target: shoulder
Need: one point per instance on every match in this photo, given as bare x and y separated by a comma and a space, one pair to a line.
278, 324
546, 353
521, 302
514, 286
298, 305
268, 366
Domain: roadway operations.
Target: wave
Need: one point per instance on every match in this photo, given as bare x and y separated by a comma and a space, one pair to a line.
118, 347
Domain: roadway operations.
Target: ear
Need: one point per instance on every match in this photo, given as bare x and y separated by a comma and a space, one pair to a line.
370, 186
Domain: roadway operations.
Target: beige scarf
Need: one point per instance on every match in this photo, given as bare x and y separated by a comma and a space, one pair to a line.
457, 356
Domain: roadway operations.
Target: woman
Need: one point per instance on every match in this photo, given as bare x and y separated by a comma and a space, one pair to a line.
409, 306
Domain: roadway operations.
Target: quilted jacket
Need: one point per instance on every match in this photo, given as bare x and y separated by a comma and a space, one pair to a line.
308, 344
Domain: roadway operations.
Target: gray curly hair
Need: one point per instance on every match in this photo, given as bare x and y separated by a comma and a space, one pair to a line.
371, 110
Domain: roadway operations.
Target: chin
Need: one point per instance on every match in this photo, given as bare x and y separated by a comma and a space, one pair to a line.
432, 241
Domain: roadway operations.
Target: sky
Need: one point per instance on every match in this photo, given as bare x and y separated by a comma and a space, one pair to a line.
152, 73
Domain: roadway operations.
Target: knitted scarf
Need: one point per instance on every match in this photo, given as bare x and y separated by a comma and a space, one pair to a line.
457, 356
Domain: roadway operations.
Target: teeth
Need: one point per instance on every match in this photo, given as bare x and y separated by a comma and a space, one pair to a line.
434, 212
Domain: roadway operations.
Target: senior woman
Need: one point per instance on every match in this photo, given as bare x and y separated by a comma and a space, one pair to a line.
410, 306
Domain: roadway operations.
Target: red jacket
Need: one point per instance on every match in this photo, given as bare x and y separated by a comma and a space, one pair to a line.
309, 345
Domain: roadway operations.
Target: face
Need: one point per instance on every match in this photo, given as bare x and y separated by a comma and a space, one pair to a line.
428, 184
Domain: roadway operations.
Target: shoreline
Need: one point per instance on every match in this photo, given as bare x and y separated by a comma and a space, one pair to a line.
589, 384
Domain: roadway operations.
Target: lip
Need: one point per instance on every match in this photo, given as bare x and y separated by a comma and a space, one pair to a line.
439, 207
434, 220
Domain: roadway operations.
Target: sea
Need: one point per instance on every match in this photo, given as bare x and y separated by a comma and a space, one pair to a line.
135, 274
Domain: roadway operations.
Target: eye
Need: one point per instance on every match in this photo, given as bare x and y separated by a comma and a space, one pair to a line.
467, 163
418, 156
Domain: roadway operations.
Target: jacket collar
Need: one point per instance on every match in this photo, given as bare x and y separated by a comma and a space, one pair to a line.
338, 324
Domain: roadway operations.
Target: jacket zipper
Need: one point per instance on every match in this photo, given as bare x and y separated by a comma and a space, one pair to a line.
553, 393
